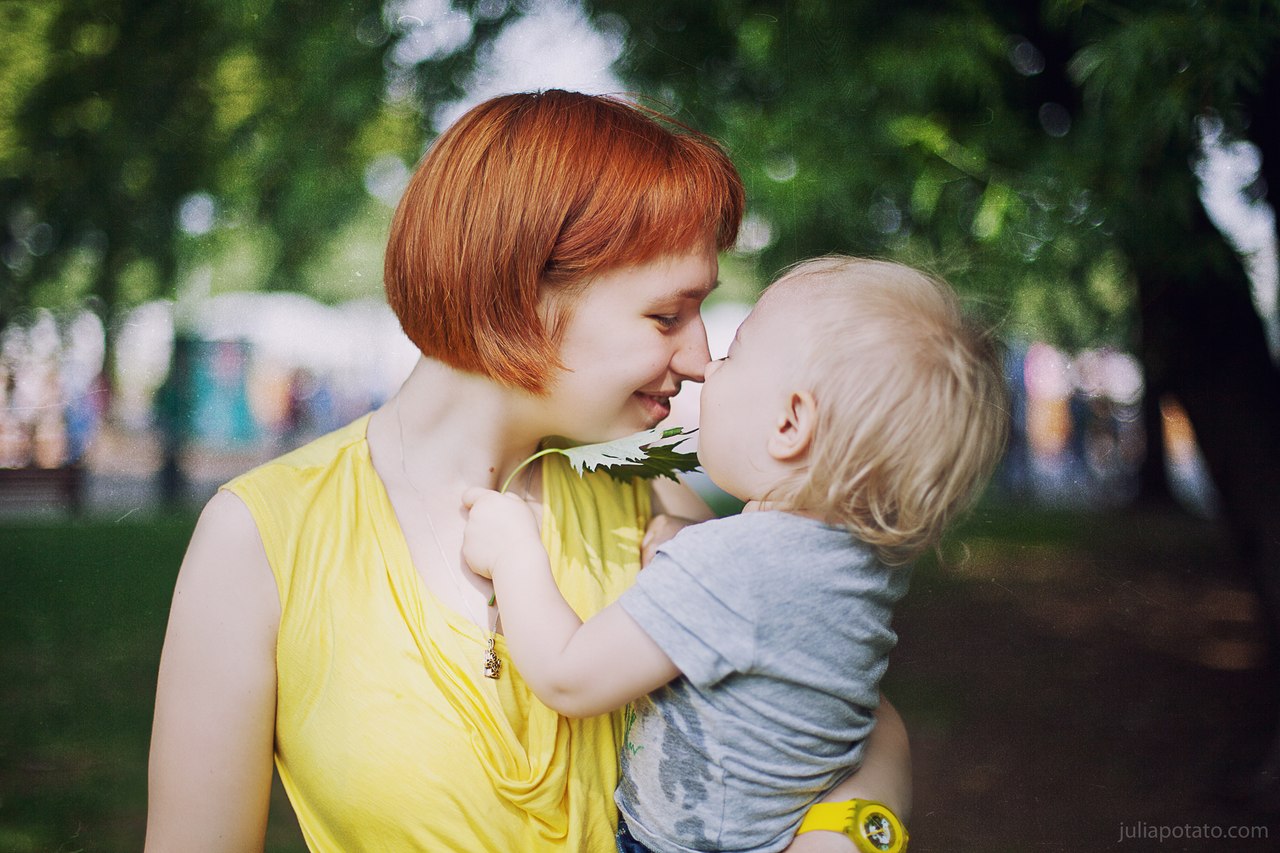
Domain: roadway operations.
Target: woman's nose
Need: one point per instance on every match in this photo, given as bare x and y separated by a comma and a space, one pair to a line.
692, 356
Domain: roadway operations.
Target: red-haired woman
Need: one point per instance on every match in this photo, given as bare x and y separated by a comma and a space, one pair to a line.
549, 258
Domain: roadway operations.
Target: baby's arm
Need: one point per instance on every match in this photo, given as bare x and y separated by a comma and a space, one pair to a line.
577, 669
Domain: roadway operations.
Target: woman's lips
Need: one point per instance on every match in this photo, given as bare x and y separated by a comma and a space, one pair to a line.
658, 407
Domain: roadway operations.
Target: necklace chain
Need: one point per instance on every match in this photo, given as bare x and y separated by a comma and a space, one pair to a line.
492, 663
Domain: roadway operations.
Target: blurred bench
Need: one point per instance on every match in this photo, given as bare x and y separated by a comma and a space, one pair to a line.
25, 489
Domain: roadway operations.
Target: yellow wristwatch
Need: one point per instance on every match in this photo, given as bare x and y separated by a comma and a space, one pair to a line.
872, 826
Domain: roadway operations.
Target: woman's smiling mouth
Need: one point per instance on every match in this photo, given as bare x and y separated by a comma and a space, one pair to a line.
658, 406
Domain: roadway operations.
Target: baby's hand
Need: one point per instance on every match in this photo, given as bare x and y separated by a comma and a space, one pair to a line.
499, 530
661, 528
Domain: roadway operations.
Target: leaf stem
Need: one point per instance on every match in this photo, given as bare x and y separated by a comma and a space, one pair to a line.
525, 463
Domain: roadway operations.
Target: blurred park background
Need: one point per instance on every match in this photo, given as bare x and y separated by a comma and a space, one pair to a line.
193, 201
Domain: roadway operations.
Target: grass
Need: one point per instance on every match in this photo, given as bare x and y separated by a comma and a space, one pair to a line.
79, 650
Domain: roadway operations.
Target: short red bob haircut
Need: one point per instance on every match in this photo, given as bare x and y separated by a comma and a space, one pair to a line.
545, 190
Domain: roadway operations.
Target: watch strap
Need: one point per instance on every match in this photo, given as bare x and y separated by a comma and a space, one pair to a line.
872, 826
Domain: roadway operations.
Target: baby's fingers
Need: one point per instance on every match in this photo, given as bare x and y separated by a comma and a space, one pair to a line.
474, 494
661, 528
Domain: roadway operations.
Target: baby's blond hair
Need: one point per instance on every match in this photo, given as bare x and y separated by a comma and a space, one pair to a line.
912, 413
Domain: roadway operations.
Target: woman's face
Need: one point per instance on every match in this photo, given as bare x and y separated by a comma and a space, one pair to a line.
634, 334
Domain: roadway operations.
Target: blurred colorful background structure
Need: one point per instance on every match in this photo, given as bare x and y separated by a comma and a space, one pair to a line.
259, 373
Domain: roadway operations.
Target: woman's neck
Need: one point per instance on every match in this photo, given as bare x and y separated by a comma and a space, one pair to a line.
454, 429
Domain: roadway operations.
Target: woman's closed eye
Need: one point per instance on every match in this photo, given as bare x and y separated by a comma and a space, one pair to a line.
666, 321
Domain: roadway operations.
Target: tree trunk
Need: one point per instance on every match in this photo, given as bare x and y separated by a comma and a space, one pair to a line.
1203, 341
1153, 479
1264, 131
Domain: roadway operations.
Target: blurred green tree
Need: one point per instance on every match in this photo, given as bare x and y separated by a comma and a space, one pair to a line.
137, 134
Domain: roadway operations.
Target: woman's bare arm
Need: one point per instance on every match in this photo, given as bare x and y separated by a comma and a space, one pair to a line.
678, 499
885, 776
214, 729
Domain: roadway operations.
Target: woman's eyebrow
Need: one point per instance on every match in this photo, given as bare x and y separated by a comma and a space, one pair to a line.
698, 292
694, 292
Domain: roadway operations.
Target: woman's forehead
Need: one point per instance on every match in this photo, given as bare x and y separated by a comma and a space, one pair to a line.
687, 276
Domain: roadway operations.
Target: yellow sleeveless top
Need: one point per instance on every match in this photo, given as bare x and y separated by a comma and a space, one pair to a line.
388, 737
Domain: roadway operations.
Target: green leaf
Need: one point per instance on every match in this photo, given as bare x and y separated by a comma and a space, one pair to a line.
645, 455
661, 461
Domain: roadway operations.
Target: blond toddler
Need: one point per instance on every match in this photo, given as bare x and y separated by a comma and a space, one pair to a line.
856, 413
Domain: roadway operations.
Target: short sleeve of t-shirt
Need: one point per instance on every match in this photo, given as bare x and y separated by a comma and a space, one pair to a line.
709, 594
732, 594
691, 600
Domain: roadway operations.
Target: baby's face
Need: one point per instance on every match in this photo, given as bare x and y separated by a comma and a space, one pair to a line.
746, 394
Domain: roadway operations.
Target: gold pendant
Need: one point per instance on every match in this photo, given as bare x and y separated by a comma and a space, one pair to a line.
492, 666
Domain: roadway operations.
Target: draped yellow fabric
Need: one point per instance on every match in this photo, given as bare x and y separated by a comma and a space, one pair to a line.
388, 737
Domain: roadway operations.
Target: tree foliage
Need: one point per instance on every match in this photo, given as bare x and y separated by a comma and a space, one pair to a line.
126, 120
996, 142
1000, 143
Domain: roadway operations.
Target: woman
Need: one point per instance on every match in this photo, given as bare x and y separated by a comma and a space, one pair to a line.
549, 258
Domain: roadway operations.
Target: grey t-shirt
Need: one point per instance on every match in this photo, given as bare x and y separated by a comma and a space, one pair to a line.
780, 625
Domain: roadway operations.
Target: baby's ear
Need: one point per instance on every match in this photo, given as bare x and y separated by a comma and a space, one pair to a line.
793, 433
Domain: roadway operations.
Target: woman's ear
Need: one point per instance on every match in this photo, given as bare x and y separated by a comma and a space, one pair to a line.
793, 433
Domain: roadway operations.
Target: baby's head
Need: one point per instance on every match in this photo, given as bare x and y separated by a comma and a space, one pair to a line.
856, 391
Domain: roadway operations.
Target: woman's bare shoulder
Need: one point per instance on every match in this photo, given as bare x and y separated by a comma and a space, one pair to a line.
227, 514
226, 557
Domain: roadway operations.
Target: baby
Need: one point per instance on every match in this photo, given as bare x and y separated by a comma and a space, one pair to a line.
856, 414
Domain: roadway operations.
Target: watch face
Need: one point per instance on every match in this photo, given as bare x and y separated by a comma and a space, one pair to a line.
878, 830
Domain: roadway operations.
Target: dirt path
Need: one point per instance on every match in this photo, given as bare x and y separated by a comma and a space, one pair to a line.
1090, 689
